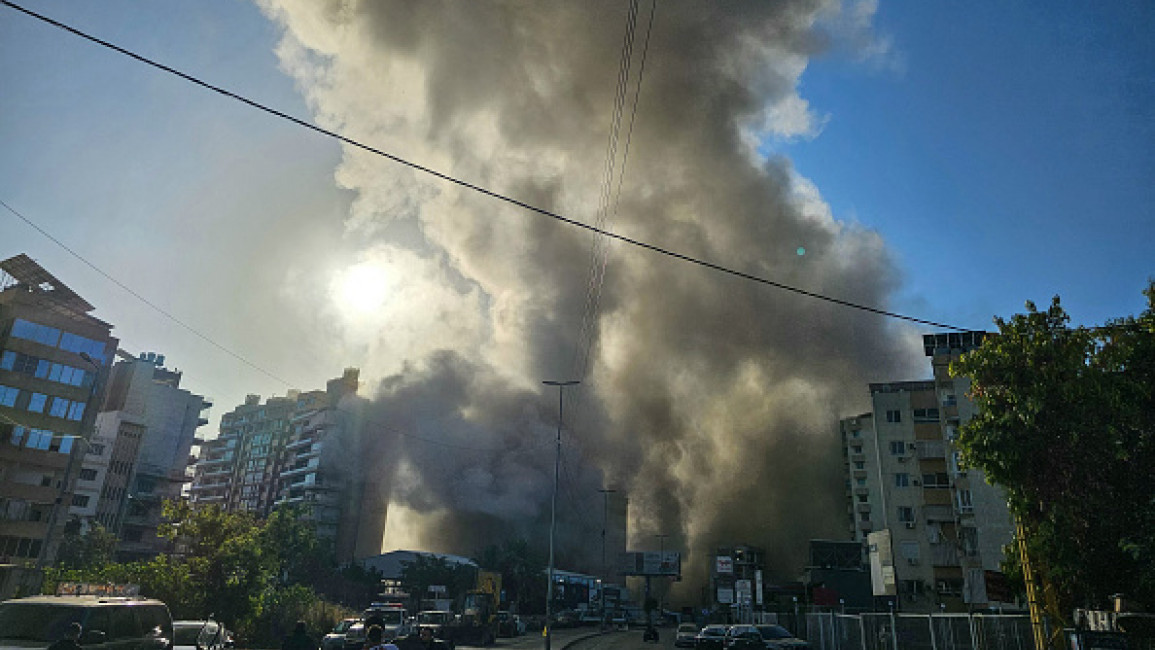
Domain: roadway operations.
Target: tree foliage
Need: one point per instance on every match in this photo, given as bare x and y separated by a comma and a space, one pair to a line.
91, 548
257, 577
522, 574
1065, 423
428, 570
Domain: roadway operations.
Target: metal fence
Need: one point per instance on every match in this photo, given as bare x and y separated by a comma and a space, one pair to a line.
828, 631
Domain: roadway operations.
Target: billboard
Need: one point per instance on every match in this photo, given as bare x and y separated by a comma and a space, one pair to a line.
724, 564
652, 563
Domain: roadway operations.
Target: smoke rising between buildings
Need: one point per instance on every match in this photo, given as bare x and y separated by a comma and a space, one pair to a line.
712, 401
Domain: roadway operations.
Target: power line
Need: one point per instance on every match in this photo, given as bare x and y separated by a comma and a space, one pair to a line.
477, 188
140, 297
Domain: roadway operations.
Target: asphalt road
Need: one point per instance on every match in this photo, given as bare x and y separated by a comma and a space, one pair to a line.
585, 638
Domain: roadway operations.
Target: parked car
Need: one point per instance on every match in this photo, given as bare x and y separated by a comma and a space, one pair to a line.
742, 637
335, 640
109, 623
199, 635
710, 637
686, 636
776, 637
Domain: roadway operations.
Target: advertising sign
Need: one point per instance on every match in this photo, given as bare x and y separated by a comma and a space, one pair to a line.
758, 586
652, 563
725, 596
724, 564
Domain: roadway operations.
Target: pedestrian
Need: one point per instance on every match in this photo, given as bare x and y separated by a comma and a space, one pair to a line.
70, 640
373, 639
299, 639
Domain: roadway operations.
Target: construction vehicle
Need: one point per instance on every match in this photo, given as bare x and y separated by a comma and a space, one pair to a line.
477, 623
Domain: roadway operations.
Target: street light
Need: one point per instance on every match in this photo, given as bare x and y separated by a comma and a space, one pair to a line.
553, 502
53, 515
606, 492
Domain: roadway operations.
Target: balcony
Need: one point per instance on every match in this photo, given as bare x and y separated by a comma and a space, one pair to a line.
928, 449
944, 555
862, 507
939, 513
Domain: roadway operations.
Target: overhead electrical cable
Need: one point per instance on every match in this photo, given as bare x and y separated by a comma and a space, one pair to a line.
141, 298
481, 190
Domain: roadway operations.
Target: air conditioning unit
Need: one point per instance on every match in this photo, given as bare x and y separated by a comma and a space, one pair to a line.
910, 524
915, 481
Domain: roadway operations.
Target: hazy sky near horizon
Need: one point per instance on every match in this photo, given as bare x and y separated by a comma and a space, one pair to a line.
979, 155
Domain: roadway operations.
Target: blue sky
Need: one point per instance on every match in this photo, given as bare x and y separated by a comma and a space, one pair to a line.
1005, 151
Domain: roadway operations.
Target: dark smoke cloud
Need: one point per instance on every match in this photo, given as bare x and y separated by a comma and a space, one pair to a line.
712, 401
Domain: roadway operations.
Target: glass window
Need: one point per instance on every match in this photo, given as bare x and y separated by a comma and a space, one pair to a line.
897, 447
80, 500
36, 404
8, 395
121, 624
894, 416
59, 407
88, 474
901, 480
18, 435
7, 360
96, 450
66, 444
76, 411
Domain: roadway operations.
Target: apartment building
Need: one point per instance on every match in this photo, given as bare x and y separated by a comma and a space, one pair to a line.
296, 449
935, 531
147, 426
54, 358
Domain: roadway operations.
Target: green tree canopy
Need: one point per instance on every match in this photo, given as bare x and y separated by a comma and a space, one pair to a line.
1065, 423
522, 574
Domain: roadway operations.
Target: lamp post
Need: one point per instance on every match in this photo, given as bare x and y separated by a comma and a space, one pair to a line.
553, 501
662, 578
606, 492
53, 515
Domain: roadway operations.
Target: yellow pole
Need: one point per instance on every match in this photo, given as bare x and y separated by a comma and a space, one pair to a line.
1037, 630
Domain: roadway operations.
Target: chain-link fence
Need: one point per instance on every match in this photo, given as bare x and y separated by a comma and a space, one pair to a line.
827, 631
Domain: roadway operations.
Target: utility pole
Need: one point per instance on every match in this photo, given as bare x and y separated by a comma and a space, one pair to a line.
661, 563
553, 502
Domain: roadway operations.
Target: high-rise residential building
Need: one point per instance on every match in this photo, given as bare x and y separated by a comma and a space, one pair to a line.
936, 531
140, 452
296, 449
54, 358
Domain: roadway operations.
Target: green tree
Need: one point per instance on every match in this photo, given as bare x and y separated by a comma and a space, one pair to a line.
428, 570
91, 548
1065, 423
522, 574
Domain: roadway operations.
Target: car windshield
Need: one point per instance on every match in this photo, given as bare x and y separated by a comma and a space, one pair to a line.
687, 627
774, 632
343, 626
41, 622
714, 630
436, 618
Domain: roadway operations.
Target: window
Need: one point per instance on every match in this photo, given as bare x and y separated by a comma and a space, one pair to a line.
80, 500
949, 399
857, 449
30, 331
902, 479
862, 498
860, 481
938, 480
96, 450
8, 395
964, 501
37, 402
76, 411
897, 447
969, 540
859, 464
7, 360
39, 439
894, 416
17, 435
88, 474
926, 415
906, 514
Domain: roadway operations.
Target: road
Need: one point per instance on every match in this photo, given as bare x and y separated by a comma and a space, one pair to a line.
585, 638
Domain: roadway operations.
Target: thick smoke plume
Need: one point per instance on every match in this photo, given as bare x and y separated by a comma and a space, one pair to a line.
710, 400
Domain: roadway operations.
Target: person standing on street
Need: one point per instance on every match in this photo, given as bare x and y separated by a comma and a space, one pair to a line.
299, 639
373, 639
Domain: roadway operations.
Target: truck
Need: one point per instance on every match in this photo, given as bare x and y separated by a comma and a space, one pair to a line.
475, 621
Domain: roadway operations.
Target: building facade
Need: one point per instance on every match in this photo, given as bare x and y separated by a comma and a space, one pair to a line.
54, 358
945, 526
144, 435
300, 449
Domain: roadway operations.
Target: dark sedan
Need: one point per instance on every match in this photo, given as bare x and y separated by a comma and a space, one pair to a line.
777, 637
710, 638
